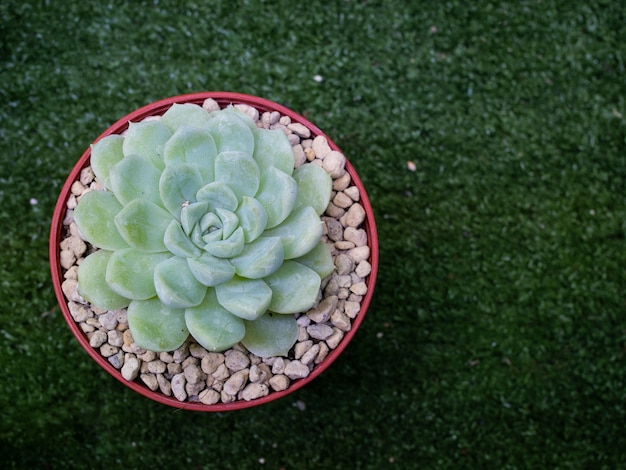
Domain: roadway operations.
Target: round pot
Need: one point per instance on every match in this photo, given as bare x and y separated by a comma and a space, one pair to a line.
58, 229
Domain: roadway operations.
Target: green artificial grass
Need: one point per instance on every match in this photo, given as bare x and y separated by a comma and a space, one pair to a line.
497, 334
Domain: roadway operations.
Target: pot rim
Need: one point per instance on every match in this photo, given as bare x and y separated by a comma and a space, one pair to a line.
157, 108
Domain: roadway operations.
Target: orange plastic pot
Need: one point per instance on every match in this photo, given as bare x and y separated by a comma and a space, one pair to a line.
158, 108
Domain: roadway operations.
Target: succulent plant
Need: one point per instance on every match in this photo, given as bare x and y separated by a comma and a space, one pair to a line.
204, 228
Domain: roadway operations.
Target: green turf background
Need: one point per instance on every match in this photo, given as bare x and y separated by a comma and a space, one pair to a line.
497, 335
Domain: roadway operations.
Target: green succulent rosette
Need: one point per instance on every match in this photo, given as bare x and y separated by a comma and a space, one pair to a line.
204, 229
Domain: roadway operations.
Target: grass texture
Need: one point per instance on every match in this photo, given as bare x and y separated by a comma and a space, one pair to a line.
497, 334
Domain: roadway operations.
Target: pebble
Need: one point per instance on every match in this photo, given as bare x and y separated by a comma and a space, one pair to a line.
130, 369
178, 387
296, 370
191, 372
279, 382
319, 331
254, 391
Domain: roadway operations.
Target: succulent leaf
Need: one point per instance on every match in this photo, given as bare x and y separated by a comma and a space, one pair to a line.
271, 149
147, 139
142, 224
259, 258
294, 288
210, 270
314, 187
135, 177
178, 186
155, 326
94, 217
300, 232
252, 218
192, 145
270, 335
130, 273
319, 259
92, 285
245, 298
277, 193
185, 114
218, 194
178, 243
239, 171
228, 247
176, 286
231, 133
104, 154
212, 326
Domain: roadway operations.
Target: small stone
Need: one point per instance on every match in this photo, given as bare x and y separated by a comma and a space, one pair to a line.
279, 382
309, 153
299, 158
319, 331
358, 236
341, 320
334, 211
342, 183
75, 245
334, 164
108, 320
117, 359
279, 366
209, 396
324, 309
300, 130
359, 253
332, 287
302, 334
107, 350
178, 387
227, 397
321, 147
164, 385
342, 200
303, 320
354, 216
71, 273
274, 117
194, 374
98, 338
259, 373
157, 366
86, 176
254, 391
334, 229
236, 360
211, 361
115, 338
236, 382
363, 269
302, 347
67, 258
296, 370
221, 373
333, 340
147, 356
353, 193
265, 120
174, 368
352, 308
77, 188
190, 361
344, 245
130, 369
211, 105
197, 351
127, 337
166, 357
293, 139
309, 356
344, 264
323, 352
285, 120
150, 381
181, 353
70, 289
359, 288
194, 389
